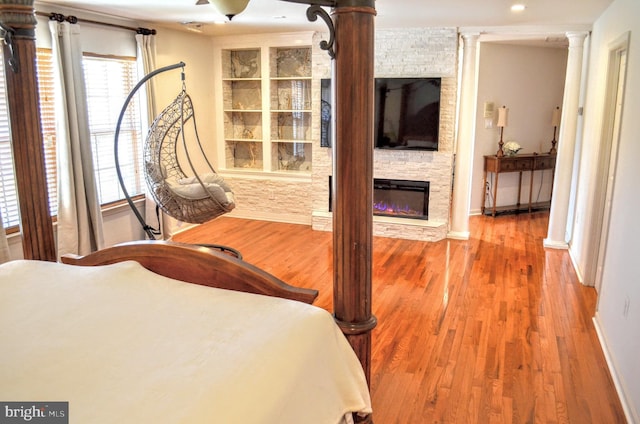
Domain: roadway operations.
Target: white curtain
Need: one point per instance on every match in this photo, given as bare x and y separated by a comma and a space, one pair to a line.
4, 246
147, 59
79, 227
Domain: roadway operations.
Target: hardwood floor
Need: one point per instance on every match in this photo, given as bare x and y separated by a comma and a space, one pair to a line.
495, 329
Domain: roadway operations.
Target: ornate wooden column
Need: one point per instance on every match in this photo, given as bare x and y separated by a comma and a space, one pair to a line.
18, 20
353, 173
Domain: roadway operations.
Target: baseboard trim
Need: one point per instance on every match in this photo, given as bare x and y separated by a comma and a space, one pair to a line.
459, 235
552, 244
576, 268
629, 414
273, 217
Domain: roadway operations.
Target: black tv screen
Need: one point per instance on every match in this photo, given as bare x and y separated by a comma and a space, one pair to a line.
407, 113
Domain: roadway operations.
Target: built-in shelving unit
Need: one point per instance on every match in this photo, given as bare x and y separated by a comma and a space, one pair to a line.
267, 109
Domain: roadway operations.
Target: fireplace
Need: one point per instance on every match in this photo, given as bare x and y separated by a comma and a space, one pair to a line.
398, 198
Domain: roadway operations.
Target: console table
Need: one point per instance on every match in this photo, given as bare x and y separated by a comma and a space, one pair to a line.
518, 163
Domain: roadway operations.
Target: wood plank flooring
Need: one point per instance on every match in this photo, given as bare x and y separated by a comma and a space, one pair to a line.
495, 329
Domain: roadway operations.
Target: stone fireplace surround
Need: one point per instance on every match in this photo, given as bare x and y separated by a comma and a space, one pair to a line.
401, 53
302, 199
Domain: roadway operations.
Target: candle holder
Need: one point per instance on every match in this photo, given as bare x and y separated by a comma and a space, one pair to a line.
500, 151
502, 122
553, 150
555, 122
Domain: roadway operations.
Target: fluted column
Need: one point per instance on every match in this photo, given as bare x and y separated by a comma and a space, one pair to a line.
559, 213
353, 174
26, 136
460, 205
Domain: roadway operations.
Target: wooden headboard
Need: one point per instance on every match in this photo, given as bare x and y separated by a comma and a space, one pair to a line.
197, 265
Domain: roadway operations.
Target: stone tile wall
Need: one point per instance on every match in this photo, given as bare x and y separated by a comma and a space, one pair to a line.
428, 52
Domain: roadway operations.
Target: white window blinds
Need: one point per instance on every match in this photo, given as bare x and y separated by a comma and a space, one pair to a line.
109, 81
9, 204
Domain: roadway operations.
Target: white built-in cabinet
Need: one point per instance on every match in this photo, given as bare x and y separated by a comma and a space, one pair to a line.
265, 116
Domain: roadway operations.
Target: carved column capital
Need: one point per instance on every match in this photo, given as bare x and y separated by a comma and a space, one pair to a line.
470, 37
19, 16
576, 38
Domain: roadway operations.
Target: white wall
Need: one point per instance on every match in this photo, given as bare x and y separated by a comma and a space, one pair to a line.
529, 81
620, 334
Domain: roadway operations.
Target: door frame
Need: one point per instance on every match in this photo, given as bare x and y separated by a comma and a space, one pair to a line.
608, 155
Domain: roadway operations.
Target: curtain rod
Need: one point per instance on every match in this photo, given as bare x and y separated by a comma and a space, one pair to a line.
74, 20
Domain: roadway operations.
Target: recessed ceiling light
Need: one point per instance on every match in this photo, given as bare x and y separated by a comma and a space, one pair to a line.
518, 7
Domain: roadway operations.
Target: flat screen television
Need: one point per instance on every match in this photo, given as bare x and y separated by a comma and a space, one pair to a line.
407, 113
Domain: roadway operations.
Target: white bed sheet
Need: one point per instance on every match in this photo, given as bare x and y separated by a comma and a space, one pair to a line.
124, 345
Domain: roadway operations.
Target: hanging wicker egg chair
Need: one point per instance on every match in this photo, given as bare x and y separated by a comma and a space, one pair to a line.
195, 198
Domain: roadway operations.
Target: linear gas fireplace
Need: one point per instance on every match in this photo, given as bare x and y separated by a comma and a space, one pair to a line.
398, 198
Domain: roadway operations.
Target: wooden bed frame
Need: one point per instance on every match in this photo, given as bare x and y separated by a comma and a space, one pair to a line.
198, 265
351, 45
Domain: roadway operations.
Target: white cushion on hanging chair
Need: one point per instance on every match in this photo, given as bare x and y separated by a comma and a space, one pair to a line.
206, 178
196, 191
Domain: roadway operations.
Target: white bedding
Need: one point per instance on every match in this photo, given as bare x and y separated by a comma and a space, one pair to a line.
124, 345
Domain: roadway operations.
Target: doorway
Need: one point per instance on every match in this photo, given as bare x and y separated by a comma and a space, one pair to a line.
608, 155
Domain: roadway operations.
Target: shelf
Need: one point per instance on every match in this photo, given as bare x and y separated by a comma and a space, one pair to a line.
249, 140
243, 95
243, 155
293, 141
291, 156
290, 78
291, 94
294, 125
241, 63
290, 111
243, 110
290, 62
514, 209
242, 125
240, 79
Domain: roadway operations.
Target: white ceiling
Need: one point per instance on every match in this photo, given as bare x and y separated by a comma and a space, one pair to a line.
262, 16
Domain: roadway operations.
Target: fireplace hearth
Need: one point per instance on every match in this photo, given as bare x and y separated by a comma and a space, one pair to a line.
398, 198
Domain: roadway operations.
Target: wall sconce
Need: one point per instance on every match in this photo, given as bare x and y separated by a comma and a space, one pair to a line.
555, 123
503, 115
488, 115
230, 8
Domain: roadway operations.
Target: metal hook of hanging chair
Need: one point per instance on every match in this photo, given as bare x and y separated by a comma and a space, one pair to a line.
7, 33
183, 77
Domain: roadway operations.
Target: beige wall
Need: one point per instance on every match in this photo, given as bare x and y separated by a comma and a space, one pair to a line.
199, 62
529, 81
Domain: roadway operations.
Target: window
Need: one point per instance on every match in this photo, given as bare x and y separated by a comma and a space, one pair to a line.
109, 81
48, 123
9, 196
